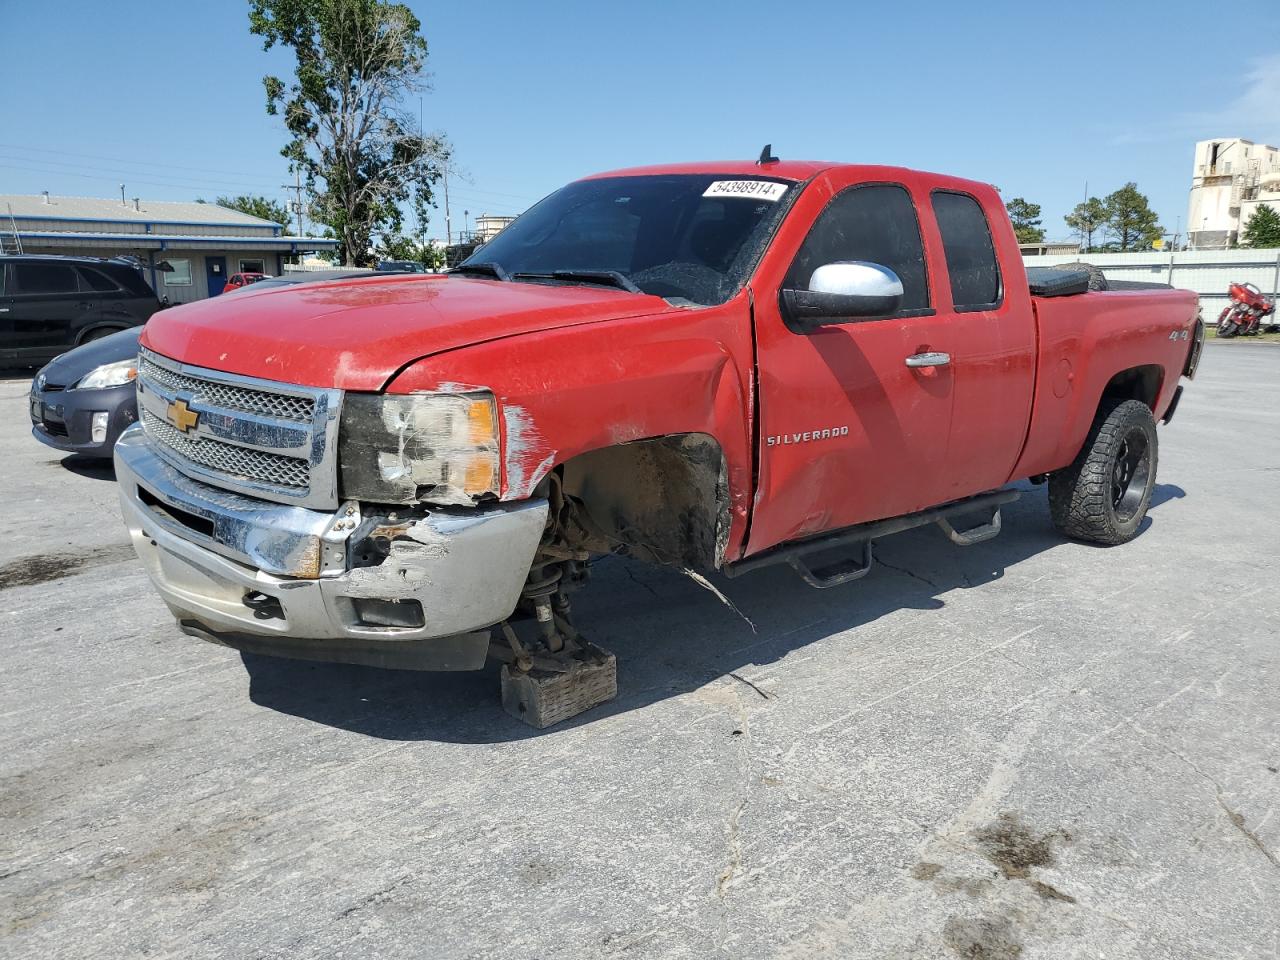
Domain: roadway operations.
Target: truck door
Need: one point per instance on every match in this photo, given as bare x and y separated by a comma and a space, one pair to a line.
848, 432
990, 342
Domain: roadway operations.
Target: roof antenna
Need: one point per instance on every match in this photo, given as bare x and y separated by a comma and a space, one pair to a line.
766, 155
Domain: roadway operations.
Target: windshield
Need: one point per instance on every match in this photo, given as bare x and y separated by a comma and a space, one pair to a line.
692, 238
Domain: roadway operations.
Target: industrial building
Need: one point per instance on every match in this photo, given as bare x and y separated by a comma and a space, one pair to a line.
1229, 180
188, 250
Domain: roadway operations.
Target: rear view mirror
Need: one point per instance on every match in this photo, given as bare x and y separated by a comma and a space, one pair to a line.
848, 291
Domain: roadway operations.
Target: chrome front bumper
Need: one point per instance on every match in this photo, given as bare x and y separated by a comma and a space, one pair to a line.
280, 580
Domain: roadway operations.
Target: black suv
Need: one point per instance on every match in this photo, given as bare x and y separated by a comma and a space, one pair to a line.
50, 304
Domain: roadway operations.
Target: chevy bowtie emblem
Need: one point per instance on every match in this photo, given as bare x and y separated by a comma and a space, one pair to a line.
181, 416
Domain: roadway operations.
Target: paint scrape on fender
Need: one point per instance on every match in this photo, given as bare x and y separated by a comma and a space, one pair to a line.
526, 457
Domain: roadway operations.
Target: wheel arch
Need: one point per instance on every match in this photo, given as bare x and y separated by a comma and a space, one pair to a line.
100, 328
662, 499
1135, 383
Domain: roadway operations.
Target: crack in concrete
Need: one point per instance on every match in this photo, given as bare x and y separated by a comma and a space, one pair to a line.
733, 842
732, 831
636, 580
381, 895
906, 572
1236, 818
742, 679
1237, 821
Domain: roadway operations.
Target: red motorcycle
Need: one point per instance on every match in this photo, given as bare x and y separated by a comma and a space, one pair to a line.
1244, 315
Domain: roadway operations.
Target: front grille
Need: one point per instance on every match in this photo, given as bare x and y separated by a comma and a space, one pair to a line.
243, 463
260, 438
213, 393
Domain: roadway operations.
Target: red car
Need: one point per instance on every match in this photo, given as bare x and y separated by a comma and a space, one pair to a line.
239, 280
716, 366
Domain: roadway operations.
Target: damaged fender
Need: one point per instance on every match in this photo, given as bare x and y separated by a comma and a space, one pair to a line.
568, 392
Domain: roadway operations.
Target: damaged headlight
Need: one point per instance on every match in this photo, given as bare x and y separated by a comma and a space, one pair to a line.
438, 447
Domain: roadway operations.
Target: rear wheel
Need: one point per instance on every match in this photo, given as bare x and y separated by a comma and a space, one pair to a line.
1102, 497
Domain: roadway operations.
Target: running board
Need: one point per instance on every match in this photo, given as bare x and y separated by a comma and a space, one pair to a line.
860, 537
832, 575
967, 538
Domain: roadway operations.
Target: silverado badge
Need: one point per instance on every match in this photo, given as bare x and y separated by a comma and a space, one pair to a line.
181, 416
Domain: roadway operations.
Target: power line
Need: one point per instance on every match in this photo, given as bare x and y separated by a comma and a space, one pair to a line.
156, 165
62, 168
135, 163
103, 178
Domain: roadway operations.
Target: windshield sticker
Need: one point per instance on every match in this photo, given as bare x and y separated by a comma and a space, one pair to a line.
751, 189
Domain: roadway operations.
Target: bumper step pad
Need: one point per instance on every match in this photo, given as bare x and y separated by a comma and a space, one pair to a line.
559, 686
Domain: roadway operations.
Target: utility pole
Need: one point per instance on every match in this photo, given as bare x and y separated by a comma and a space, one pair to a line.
296, 187
448, 224
1086, 200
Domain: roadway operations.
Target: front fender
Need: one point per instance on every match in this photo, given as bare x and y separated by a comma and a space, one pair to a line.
573, 390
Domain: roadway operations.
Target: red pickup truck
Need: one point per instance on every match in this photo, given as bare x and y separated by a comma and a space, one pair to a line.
716, 366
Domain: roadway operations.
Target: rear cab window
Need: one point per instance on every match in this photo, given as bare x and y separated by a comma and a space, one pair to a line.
873, 222
970, 254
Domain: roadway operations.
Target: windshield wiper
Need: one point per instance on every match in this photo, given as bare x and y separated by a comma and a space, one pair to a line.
605, 278
490, 268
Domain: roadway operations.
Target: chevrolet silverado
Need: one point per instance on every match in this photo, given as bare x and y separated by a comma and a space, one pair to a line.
716, 366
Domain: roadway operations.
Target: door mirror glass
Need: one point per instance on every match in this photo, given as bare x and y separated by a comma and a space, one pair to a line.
848, 291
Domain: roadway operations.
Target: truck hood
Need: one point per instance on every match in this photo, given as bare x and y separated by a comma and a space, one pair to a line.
356, 334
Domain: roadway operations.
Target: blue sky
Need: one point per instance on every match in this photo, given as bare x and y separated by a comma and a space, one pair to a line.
1036, 98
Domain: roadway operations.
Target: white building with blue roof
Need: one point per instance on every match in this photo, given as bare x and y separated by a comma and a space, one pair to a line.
188, 249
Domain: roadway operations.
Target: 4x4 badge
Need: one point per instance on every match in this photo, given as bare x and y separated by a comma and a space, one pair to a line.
181, 416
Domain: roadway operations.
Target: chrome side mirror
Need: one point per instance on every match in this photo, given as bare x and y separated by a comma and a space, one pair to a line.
848, 291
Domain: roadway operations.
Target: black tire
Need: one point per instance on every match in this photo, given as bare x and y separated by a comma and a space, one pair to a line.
1102, 497
1097, 280
1226, 330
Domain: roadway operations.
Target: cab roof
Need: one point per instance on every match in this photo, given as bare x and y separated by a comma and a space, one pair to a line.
794, 170
781, 169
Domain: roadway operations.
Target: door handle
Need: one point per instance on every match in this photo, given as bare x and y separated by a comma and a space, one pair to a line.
928, 360
4, 309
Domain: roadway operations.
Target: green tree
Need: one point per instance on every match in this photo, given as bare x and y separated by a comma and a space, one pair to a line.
1262, 229
256, 206
1130, 222
355, 63
1025, 217
1086, 219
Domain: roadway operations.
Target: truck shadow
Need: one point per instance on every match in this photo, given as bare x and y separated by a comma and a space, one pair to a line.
670, 635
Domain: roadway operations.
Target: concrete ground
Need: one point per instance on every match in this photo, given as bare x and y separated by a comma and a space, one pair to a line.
1029, 748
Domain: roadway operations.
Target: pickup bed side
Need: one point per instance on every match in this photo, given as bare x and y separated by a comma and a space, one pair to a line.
1133, 345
